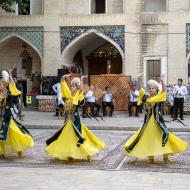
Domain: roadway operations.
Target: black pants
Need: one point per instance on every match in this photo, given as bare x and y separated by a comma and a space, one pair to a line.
58, 107
131, 104
178, 105
92, 106
109, 104
172, 111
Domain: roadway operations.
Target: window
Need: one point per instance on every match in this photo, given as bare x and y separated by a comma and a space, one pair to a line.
98, 6
154, 5
24, 10
153, 69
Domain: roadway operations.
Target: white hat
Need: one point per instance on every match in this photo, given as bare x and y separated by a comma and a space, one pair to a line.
76, 81
153, 83
5, 76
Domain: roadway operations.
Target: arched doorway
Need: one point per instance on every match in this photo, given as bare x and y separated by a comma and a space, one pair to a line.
20, 54
90, 45
106, 59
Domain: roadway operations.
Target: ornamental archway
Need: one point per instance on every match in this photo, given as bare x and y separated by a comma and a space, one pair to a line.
86, 43
19, 53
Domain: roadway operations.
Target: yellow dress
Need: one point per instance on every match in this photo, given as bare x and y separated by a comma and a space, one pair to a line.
150, 141
64, 146
17, 138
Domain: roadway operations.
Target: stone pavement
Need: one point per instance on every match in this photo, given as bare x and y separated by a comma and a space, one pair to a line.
113, 157
63, 179
120, 121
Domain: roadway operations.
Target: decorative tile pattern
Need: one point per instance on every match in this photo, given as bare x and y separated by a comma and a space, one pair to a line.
31, 34
187, 38
116, 33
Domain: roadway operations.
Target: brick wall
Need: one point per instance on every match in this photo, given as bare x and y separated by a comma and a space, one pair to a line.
176, 5
115, 6
77, 7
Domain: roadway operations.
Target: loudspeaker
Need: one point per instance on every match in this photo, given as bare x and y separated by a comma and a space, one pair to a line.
62, 72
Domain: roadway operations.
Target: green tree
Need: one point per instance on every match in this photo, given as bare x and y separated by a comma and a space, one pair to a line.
7, 4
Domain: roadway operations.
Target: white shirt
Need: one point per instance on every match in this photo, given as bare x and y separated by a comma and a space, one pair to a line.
160, 86
170, 97
133, 96
107, 97
180, 91
57, 89
89, 96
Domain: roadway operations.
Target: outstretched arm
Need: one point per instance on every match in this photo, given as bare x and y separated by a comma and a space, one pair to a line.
65, 91
66, 76
140, 80
10, 75
163, 83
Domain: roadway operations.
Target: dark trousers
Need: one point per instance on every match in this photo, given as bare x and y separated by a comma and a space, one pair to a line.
172, 111
109, 104
131, 104
92, 105
58, 108
178, 105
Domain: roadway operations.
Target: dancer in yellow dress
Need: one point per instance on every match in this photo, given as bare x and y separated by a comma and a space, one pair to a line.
73, 140
14, 138
153, 138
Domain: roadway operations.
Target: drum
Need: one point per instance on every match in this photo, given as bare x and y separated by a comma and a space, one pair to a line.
98, 93
85, 88
113, 90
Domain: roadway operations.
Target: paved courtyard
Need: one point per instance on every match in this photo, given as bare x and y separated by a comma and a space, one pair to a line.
113, 157
119, 121
58, 179
109, 169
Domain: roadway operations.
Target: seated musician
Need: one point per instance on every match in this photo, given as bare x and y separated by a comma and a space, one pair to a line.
91, 101
107, 101
133, 99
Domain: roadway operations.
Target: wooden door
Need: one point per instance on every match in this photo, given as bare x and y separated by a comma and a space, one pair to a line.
153, 69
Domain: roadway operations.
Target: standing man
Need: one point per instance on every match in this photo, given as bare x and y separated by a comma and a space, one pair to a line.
59, 101
107, 101
91, 101
158, 79
180, 91
133, 99
170, 98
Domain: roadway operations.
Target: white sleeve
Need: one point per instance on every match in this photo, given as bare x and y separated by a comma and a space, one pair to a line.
88, 95
54, 87
136, 93
185, 90
174, 91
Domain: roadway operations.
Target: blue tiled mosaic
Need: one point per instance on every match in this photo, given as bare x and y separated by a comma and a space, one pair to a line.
187, 38
35, 35
116, 33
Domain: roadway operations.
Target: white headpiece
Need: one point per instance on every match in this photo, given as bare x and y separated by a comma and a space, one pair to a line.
76, 81
153, 83
5, 76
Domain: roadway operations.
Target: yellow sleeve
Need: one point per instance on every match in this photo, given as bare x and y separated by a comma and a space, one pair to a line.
13, 89
65, 91
160, 97
78, 97
141, 94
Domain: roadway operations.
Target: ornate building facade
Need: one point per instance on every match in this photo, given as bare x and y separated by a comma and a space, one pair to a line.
98, 37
